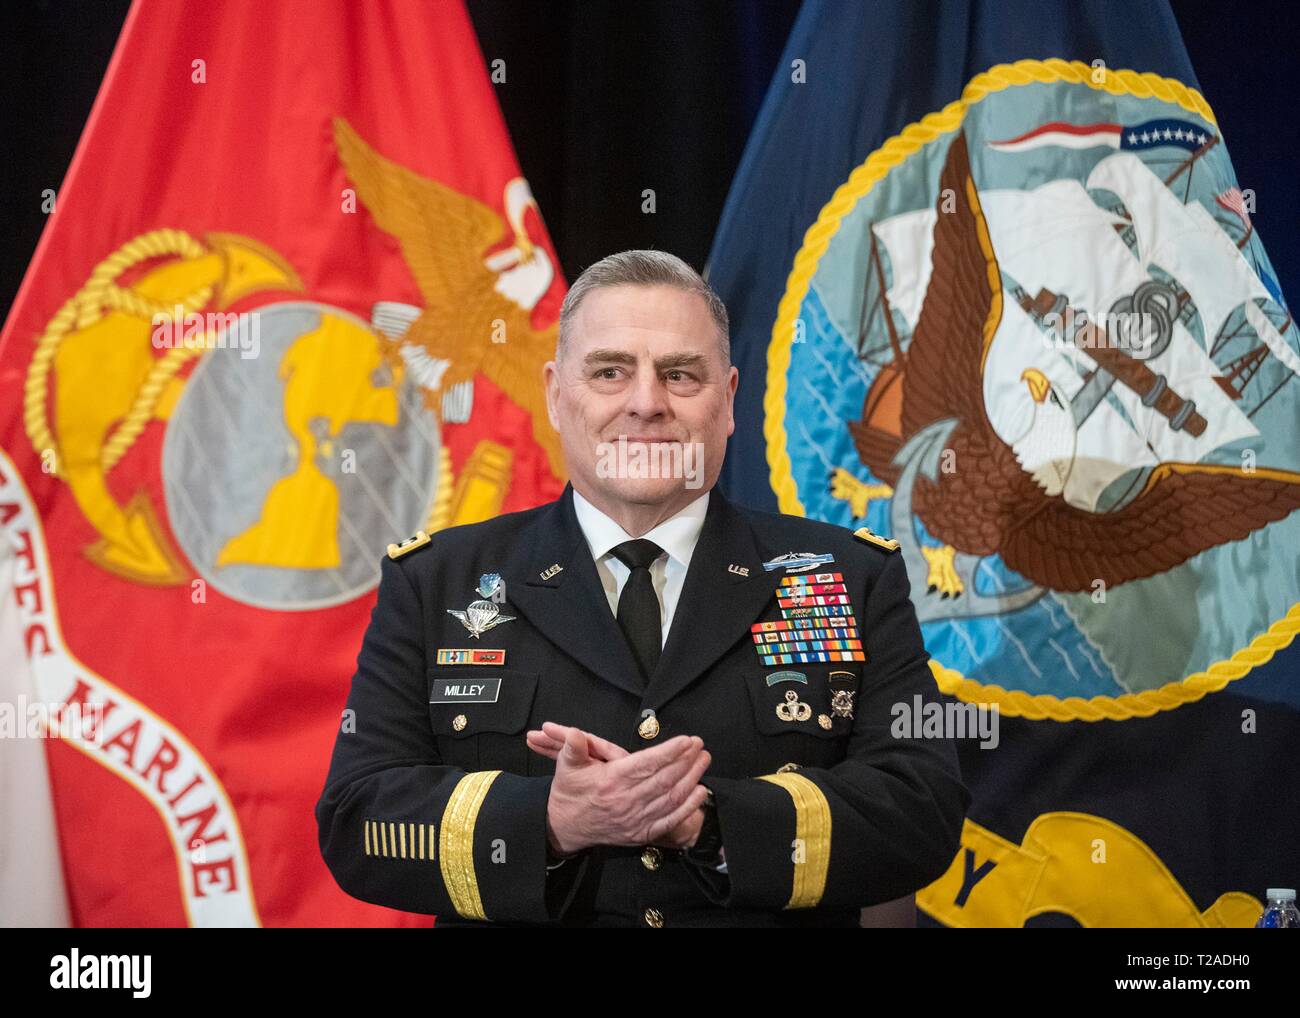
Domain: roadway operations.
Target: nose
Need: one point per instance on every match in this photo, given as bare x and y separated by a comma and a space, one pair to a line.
647, 397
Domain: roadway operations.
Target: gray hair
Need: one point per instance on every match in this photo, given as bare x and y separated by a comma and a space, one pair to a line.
643, 268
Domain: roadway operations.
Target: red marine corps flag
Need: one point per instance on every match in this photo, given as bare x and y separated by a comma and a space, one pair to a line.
291, 306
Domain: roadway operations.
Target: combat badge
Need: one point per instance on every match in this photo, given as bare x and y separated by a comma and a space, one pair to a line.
797, 561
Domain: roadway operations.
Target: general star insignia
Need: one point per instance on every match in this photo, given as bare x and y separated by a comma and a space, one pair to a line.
420, 539
888, 543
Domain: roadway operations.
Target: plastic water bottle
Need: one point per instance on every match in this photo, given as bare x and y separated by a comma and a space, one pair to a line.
1280, 911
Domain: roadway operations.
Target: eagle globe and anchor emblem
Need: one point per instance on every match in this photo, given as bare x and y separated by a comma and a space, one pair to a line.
1046, 357
303, 433
279, 470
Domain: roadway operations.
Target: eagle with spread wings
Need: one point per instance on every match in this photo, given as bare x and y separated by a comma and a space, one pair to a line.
990, 504
476, 292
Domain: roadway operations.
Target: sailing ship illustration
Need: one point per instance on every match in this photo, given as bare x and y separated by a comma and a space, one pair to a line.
1079, 350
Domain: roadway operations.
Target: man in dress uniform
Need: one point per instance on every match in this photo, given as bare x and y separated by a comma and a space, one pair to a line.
640, 705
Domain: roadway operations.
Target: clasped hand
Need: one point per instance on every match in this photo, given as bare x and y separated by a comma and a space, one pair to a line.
604, 795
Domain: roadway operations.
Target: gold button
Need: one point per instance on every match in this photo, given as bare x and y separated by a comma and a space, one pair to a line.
648, 728
651, 857
653, 917
459, 722
785, 768
825, 721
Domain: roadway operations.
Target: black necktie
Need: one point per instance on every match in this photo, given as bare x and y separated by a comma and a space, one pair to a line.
638, 606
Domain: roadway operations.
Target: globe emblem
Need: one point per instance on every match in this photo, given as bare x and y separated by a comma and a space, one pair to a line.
287, 472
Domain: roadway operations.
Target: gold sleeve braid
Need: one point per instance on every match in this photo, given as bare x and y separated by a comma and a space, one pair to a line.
813, 831
456, 842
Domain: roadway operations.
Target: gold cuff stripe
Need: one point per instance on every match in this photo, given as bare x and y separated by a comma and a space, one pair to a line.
456, 843
812, 829
401, 841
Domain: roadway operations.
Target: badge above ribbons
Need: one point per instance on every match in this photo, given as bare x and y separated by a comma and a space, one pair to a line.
1046, 365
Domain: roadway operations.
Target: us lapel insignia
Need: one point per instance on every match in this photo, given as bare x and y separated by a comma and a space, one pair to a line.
552, 571
738, 570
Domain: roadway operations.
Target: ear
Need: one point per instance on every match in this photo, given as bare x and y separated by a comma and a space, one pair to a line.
733, 380
551, 383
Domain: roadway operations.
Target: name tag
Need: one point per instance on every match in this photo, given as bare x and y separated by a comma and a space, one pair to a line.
465, 690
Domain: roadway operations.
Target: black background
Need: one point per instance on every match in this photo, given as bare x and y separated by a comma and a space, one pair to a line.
604, 99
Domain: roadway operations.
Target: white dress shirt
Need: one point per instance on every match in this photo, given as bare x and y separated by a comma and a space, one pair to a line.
676, 535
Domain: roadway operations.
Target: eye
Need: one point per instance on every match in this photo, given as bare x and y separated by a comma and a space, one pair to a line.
1055, 398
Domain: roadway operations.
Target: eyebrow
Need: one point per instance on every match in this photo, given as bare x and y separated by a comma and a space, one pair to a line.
665, 363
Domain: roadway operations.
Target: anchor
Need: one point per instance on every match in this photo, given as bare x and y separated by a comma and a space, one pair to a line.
920, 455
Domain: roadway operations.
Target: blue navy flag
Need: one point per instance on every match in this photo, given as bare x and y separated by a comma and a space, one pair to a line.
996, 294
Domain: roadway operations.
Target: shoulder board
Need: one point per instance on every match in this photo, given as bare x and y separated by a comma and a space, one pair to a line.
888, 543
410, 544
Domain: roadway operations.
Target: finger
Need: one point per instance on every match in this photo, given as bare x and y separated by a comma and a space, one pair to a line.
665, 790
659, 828
663, 778
604, 749
545, 749
638, 766
555, 735
680, 786
574, 753
541, 740
597, 748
